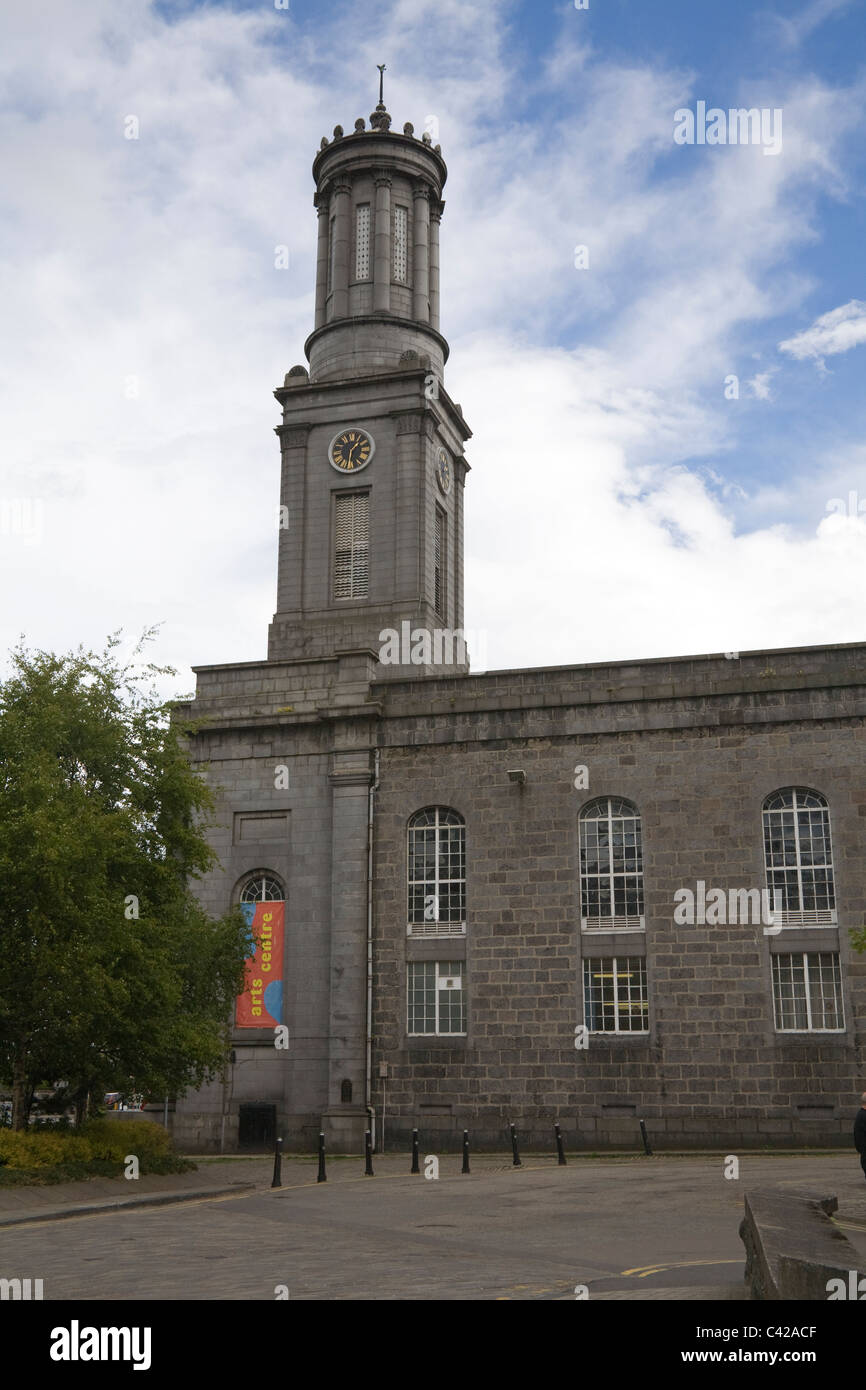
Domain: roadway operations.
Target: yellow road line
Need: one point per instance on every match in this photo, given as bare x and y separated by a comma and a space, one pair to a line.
642, 1271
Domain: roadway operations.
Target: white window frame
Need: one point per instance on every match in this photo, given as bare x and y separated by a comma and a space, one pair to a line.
825, 918
615, 966
839, 994
441, 973
266, 882
625, 922
434, 927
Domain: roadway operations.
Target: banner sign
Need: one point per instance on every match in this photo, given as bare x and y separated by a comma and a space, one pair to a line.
261, 1004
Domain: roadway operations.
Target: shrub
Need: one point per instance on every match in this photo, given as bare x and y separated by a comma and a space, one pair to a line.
41, 1148
115, 1139
98, 1147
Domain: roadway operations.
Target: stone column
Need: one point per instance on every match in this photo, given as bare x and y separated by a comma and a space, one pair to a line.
342, 242
409, 483
290, 561
421, 288
322, 202
435, 218
344, 1122
459, 483
382, 243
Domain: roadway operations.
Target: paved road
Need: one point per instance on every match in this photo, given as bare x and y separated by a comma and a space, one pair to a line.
626, 1228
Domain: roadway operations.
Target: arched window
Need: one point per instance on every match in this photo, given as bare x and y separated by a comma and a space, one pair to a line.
799, 858
611, 866
262, 887
437, 873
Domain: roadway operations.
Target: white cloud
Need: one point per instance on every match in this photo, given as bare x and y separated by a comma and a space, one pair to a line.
796, 30
591, 393
759, 384
837, 331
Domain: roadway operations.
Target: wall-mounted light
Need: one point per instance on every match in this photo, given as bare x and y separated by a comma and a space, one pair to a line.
516, 774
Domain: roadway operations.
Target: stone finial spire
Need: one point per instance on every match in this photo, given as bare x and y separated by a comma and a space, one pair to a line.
380, 120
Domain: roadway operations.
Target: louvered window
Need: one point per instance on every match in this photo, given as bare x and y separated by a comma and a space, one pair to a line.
439, 552
362, 242
352, 545
401, 219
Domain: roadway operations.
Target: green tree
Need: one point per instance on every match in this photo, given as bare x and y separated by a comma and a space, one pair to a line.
109, 967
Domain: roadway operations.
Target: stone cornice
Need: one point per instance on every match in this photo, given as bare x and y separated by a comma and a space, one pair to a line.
293, 436
350, 778
308, 391
393, 321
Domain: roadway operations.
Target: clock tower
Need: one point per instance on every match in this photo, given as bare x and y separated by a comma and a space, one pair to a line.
371, 499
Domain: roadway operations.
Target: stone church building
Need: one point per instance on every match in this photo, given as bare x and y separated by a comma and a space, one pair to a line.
522, 896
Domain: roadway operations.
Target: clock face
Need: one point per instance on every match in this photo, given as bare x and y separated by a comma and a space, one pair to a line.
351, 450
443, 470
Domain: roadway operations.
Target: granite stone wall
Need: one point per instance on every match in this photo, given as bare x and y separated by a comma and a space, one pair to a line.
696, 744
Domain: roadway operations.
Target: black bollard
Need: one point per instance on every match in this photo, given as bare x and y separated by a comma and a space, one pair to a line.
465, 1168
415, 1168
368, 1155
646, 1143
515, 1156
322, 1177
560, 1152
278, 1163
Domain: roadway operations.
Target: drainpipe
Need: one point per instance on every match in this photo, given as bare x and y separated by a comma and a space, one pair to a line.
368, 1068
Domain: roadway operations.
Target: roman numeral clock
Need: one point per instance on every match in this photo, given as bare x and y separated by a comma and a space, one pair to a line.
351, 450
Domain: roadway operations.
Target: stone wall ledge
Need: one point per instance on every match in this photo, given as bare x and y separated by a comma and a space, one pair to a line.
793, 1249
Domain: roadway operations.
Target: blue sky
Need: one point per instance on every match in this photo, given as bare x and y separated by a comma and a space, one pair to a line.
619, 504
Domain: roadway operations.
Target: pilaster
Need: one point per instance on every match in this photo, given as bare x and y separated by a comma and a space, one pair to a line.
350, 778
382, 243
322, 203
437, 207
342, 237
421, 259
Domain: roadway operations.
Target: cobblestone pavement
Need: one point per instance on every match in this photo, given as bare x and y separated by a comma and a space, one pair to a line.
661, 1227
